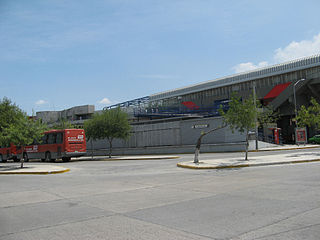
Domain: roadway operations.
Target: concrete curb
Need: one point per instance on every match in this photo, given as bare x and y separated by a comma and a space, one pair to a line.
137, 158
183, 165
41, 172
128, 158
282, 149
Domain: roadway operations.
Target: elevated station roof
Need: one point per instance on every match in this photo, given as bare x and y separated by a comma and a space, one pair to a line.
134, 102
273, 70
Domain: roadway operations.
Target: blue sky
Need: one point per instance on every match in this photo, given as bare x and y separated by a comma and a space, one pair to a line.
57, 54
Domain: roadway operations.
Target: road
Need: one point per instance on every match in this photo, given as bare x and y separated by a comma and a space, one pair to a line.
154, 199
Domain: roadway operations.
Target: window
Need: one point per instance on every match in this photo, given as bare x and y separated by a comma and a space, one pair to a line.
52, 138
45, 139
59, 138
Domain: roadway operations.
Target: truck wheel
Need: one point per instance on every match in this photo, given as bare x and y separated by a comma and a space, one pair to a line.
66, 159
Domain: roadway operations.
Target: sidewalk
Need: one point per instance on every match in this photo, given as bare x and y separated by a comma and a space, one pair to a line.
14, 168
121, 158
238, 162
287, 147
282, 158
29, 168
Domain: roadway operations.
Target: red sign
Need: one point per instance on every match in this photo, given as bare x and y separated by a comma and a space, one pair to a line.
301, 135
191, 105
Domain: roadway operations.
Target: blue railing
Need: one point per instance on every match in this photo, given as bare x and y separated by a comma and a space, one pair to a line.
176, 111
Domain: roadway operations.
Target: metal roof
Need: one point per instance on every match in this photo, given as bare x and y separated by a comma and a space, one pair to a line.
134, 102
277, 69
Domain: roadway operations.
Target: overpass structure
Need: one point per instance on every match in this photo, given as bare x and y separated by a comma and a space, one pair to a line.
274, 85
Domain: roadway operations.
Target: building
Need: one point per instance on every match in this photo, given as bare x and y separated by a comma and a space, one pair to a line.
171, 121
274, 86
75, 115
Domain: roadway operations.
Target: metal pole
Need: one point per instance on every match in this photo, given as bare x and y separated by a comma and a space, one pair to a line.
295, 105
255, 107
295, 100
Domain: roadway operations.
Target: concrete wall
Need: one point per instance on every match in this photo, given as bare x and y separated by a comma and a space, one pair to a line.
175, 137
48, 116
71, 114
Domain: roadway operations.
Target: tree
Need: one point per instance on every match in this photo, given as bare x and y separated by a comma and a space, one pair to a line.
109, 124
309, 116
241, 116
24, 132
9, 114
17, 128
198, 145
266, 115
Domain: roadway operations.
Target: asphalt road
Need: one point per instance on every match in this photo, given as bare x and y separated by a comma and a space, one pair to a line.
154, 199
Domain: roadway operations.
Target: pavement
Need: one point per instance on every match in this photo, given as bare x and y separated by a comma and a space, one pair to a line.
235, 162
9, 168
30, 168
238, 162
134, 157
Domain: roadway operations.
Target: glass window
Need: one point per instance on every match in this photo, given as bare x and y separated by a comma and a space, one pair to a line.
52, 138
59, 138
45, 139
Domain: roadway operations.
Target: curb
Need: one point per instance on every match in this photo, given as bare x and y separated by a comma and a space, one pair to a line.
283, 149
130, 158
36, 173
140, 159
245, 165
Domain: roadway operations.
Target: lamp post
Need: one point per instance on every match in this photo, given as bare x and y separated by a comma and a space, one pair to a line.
295, 107
255, 117
295, 99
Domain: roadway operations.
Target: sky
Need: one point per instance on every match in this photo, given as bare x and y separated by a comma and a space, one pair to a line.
57, 54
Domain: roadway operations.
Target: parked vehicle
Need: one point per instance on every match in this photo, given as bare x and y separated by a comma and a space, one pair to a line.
314, 139
56, 144
5, 153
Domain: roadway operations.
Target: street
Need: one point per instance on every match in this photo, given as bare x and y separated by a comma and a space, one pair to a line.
155, 199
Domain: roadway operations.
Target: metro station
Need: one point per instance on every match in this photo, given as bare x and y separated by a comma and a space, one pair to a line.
173, 119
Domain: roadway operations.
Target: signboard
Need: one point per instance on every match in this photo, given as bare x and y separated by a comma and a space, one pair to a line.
200, 126
301, 135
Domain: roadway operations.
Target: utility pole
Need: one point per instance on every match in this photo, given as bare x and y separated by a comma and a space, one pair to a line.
255, 118
295, 107
295, 100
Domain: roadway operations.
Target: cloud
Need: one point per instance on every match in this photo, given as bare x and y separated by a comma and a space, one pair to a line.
300, 49
249, 66
292, 51
105, 101
41, 102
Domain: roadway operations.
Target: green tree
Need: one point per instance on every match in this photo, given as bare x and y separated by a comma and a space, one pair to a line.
241, 116
309, 116
10, 113
24, 132
109, 124
17, 128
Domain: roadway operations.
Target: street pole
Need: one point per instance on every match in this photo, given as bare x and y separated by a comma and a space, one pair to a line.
295, 100
295, 105
255, 107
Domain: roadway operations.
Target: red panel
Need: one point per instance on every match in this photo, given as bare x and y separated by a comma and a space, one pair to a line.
190, 105
277, 90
